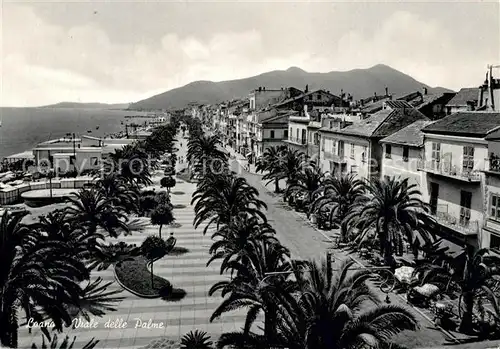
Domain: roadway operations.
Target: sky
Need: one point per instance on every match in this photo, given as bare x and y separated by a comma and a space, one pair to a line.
124, 51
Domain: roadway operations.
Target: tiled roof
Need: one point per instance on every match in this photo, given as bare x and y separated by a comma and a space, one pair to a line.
373, 107
398, 104
411, 135
367, 126
383, 123
472, 124
465, 95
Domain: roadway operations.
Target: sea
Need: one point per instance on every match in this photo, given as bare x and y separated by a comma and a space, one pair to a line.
23, 128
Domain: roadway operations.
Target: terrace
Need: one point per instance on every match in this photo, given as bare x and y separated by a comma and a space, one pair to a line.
449, 170
461, 223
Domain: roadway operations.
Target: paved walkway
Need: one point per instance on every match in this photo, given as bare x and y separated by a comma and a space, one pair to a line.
187, 271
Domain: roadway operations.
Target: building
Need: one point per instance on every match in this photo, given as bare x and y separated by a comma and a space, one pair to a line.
455, 153
402, 151
489, 94
267, 129
467, 99
490, 237
69, 154
350, 145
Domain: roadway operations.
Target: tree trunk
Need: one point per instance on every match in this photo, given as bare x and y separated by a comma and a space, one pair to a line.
152, 279
466, 323
159, 231
276, 185
269, 326
8, 329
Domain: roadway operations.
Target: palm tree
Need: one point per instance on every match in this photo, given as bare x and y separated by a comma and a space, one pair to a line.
92, 209
337, 195
131, 163
262, 284
220, 197
38, 273
124, 195
236, 237
332, 311
65, 344
306, 182
271, 162
205, 151
80, 241
393, 209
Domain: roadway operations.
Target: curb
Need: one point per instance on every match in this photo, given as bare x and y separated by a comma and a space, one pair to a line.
131, 291
445, 332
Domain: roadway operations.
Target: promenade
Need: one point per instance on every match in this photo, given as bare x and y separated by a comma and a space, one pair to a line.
185, 271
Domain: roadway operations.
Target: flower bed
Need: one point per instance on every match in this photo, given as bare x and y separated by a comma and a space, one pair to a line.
135, 277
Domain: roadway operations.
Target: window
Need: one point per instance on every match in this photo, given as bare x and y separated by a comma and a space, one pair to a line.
388, 149
334, 146
291, 132
323, 144
387, 178
406, 152
436, 155
318, 97
354, 169
468, 159
495, 207
352, 151
297, 138
363, 155
341, 149
94, 161
285, 133
304, 137
272, 133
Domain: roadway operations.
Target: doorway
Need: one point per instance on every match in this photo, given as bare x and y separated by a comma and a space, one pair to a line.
434, 195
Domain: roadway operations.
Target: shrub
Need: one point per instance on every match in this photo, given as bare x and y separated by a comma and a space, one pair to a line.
196, 340
162, 215
168, 182
153, 247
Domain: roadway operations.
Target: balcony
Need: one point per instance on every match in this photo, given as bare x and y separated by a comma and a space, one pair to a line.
494, 165
341, 159
448, 170
300, 141
462, 224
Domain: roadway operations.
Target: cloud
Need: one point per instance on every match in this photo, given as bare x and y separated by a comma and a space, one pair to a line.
48, 58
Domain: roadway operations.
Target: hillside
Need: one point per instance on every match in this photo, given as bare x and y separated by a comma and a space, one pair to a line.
76, 105
359, 82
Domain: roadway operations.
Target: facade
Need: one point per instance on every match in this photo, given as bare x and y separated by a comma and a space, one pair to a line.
467, 99
490, 237
69, 153
402, 152
455, 153
268, 129
355, 148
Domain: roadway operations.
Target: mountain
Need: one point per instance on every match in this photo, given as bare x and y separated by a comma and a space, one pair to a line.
76, 105
360, 83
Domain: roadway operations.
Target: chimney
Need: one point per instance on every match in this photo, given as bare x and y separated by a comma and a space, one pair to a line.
424, 91
264, 88
386, 91
341, 93
260, 88
375, 96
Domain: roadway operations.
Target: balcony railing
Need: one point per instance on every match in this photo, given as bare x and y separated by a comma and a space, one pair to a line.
295, 140
448, 170
494, 164
335, 157
460, 223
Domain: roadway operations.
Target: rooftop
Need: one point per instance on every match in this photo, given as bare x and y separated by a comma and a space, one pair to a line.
383, 123
398, 104
465, 95
411, 135
468, 124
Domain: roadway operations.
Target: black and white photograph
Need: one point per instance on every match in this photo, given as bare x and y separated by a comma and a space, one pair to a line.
249, 174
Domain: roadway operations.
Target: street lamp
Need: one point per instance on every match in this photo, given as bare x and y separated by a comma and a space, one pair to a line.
50, 175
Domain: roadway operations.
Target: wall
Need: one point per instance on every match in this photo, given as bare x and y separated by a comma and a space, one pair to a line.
490, 226
354, 163
396, 167
13, 195
454, 146
292, 131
